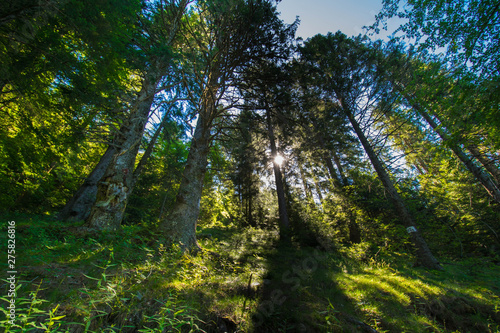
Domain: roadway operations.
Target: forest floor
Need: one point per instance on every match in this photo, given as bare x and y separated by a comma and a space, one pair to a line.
244, 280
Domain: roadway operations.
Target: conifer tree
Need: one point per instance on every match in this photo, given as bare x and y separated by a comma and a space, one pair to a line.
161, 30
225, 39
346, 68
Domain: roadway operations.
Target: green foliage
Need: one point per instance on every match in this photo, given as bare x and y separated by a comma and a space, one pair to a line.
69, 73
40, 171
59, 83
176, 321
29, 315
448, 200
155, 192
467, 29
91, 277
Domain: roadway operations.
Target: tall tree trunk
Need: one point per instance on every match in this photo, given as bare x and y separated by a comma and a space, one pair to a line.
318, 190
423, 253
483, 178
486, 162
149, 150
79, 206
334, 176
307, 190
117, 183
180, 226
251, 220
488, 184
328, 162
280, 190
338, 163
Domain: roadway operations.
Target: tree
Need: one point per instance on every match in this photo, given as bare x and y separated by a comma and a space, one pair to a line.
349, 79
411, 79
278, 175
243, 146
224, 38
443, 194
270, 93
467, 29
325, 133
469, 32
161, 28
57, 77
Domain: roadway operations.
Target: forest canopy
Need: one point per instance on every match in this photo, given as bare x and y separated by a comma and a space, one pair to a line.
174, 117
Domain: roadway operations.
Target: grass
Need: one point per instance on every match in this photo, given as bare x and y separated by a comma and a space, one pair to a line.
244, 280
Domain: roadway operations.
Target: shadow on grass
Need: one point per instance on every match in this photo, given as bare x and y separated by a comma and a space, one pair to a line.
245, 281
454, 299
300, 294
309, 290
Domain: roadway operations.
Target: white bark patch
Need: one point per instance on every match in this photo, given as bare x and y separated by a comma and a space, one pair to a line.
411, 229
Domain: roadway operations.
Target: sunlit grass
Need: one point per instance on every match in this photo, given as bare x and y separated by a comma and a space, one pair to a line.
131, 278
415, 299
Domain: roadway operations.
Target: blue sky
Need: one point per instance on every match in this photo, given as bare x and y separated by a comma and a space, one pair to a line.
322, 16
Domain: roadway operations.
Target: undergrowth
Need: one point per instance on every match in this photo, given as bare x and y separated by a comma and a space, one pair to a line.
244, 280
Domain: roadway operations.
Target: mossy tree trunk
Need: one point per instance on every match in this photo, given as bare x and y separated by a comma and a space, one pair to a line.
180, 225
116, 185
489, 164
112, 181
79, 206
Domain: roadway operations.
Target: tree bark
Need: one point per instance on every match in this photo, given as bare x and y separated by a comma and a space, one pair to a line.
116, 185
336, 159
307, 190
180, 226
280, 190
423, 253
487, 163
318, 190
79, 206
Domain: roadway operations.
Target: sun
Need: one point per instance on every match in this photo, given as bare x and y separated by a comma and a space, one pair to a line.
279, 160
